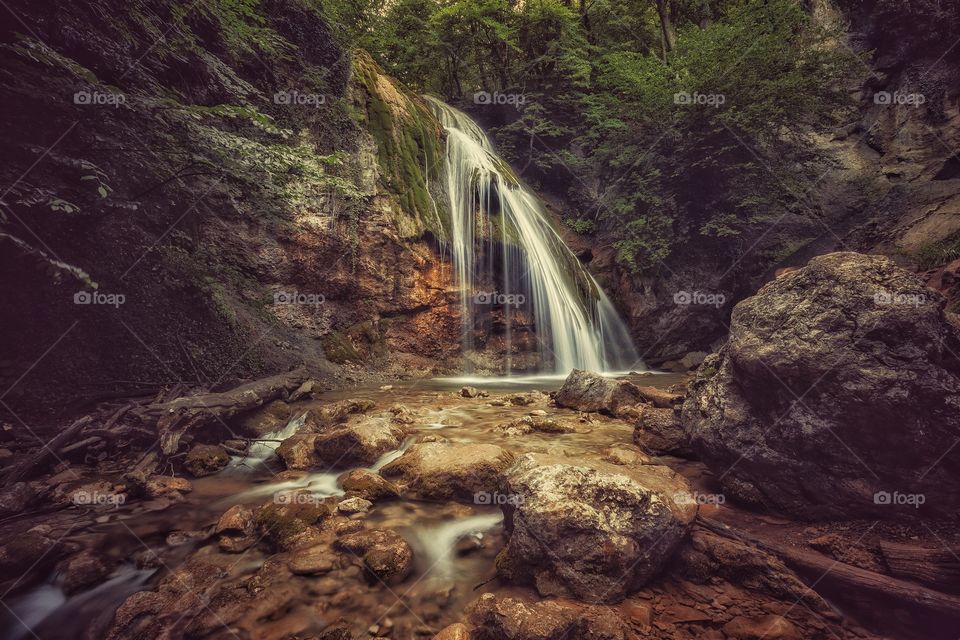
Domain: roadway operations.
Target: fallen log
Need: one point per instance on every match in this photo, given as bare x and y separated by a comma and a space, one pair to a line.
853, 580
173, 418
48, 450
938, 568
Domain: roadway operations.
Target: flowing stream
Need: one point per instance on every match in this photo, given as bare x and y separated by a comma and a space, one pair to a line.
534, 274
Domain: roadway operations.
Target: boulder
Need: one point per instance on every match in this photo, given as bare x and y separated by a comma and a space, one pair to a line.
836, 395
236, 529
456, 631
299, 452
368, 485
385, 553
206, 459
590, 529
445, 470
662, 398
15, 498
166, 487
312, 561
660, 431
587, 391
354, 505
508, 618
293, 520
536, 423
359, 442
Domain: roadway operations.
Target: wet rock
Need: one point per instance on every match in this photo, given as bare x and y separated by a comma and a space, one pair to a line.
83, 570
661, 398
337, 412
771, 627
368, 485
831, 373
659, 431
360, 442
472, 392
506, 618
445, 470
586, 391
312, 561
32, 551
354, 505
456, 631
166, 487
236, 529
298, 452
625, 454
590, 529
292, 521
385, 553
536, 424
15, 498
273, 416
693, 360
206, 459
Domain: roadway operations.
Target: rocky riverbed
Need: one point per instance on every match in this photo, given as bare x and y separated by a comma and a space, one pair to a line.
453, 512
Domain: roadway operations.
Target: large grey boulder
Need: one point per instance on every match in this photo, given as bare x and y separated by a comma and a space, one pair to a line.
837, 394
589, 529
588, 391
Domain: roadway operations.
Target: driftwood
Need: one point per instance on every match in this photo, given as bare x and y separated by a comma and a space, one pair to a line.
175, 417
847, 577
938, 568
49, 450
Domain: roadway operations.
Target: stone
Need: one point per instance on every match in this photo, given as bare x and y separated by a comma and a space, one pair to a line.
269, 418
771, 627
693, 359
166, 486
293, 522
456, 631
206, 460
589, 529
83, 570
625, 454
368, 485
236, 529
354, 505
659, 431
313, 561
837, 395
385, 554
449, 470
536, 423
587, 391
509, 618
360, 442
298, 452
472, 392
662, 398
15, 498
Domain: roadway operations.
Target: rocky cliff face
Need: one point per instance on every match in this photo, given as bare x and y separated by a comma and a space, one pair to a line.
194, 196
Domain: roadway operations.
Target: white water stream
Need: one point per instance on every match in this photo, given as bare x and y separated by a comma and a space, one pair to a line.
535, 273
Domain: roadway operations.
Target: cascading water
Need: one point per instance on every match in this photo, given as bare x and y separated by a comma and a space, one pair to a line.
535, 273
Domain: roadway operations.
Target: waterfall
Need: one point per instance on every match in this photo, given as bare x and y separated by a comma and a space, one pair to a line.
501, 238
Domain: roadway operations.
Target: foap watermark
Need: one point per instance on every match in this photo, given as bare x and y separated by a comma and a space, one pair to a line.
486, 98
908, 299
898, 98
703, 499
495, 297
294, 97
97, 499
296, 497
898, 499
297, 297
496, 498
96, 297
99, 98
695, 98
699, 298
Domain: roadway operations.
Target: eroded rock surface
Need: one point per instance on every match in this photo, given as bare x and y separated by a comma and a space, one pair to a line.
812, 404
590, 529
587, 391
443, 470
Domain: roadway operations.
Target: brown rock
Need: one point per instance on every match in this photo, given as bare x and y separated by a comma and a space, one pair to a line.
206, 459
660, 397
444, 470
385, 553
368, 485
236, 529
660, 431
456, 631
312, 561
586, 391
166, 487
360, 442
769, 627
298, 452
506, 618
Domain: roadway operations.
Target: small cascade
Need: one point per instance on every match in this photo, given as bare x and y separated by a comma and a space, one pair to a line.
501, 238
262, 450
437, 543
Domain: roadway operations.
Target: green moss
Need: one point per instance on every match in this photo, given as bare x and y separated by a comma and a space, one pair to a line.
938, 253
409, 143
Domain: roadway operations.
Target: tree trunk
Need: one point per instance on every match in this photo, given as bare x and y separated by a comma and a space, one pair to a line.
668, 37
